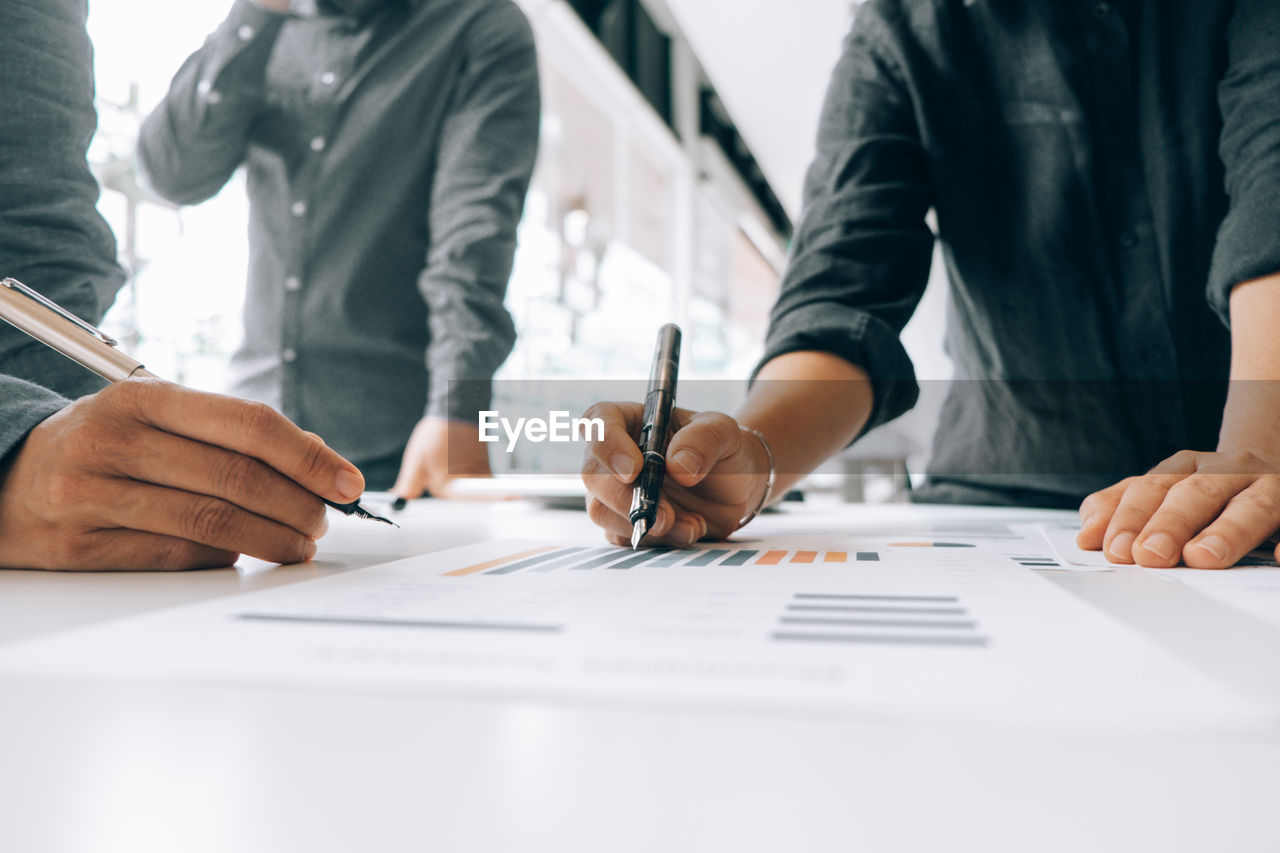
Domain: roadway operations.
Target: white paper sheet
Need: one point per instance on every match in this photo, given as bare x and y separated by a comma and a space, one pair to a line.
1254, 590
944, 634
1062, 539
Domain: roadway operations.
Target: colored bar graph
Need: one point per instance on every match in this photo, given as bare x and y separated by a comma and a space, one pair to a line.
491, 564
706, 558
771, 558
739, 558
640, 559
838, 557
804, 556
533, 561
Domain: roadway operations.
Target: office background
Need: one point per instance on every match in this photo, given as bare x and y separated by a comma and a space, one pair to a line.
675, 137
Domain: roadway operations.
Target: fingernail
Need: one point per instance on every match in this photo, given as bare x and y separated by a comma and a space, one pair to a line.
310, 553
623, 466
1122, 546
1160, 544
349, 485
688, 460
1215, 545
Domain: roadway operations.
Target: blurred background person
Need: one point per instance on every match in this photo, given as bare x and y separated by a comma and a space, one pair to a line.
389, 145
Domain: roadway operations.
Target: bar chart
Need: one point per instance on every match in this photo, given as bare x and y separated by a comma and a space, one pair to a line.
551, 558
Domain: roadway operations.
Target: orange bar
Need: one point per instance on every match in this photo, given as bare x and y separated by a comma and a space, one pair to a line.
493, 564
804, 556
771, 558
836, 557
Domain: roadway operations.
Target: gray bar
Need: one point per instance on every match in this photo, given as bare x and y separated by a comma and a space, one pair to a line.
611, 555
739, 558
641, 558
505, 627
868, 557
873, 608
578, 554
706, 558
816, 596
672, 557
879, 639
532, 561
952, 624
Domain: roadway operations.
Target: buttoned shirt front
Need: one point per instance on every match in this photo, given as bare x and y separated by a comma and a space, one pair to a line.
388, 153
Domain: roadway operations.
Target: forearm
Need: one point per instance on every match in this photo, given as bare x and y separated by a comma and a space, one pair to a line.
195, 140
809, 406
1251, 419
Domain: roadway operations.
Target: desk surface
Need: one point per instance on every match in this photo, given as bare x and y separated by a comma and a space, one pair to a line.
163, 766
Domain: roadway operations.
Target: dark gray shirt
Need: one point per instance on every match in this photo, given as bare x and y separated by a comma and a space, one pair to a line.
388, 158
1102, 176
51, 236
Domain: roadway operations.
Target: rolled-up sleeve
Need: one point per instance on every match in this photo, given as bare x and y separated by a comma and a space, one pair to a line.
1248, 244
487, 150
860, 260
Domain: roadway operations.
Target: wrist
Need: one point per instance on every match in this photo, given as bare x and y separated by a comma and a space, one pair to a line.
767, 473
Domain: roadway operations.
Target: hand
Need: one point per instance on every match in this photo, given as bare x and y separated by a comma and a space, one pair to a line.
273, 5
440, 451
1206, 509
716, 475
149, 475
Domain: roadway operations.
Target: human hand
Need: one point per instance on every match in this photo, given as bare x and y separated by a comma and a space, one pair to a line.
149, 475
440, 451
1206, 509
716, 475
273, 5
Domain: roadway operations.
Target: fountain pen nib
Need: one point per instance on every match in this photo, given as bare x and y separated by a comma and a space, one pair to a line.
361, 512
638, 532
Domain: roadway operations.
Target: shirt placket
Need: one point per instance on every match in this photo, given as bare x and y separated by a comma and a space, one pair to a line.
329, 65
1145, 342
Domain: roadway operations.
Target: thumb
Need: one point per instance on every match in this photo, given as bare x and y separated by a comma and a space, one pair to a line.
700, 445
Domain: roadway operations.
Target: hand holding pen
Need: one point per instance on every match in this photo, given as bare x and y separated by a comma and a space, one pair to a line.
149, 475
717, 474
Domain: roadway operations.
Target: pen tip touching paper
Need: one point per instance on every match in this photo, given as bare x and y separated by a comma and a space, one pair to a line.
637, 533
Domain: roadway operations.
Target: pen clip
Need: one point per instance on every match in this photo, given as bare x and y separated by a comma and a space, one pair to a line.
14, 284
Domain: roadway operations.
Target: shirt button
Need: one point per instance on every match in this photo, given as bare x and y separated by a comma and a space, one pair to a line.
317, 144
245, 32
328, 78
292, 283
289, 356
298, 208
1128, 240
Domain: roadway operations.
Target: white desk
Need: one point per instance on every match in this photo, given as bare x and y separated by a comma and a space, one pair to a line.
100, 766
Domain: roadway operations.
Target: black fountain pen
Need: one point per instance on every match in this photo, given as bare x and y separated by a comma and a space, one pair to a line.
655, 432
85, 344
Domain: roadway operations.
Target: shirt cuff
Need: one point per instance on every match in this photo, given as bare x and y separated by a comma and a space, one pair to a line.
1248, 248
858, 337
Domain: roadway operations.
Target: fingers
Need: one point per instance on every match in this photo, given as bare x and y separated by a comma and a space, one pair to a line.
609, 504
700, 445
136, 551
1249, 519
1139, 502
200, 468
1096, 512
207, 521
1187, 508
252, 429
617, 455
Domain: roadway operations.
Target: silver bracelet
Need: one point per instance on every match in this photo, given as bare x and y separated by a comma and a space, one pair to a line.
768, 488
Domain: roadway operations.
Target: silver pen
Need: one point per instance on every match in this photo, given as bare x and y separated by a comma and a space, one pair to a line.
86, 345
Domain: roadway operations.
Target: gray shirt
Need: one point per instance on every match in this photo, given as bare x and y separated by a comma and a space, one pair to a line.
1103, 174
388, 157
51, 236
